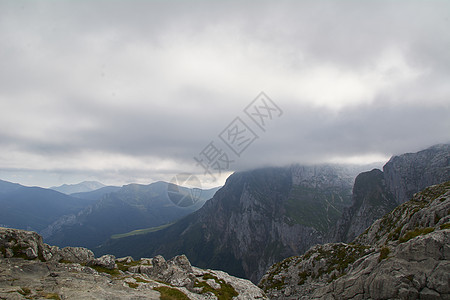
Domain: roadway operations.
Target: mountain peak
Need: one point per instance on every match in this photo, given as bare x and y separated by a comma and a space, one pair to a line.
85, 186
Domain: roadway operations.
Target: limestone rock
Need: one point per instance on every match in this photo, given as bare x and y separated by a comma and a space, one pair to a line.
34, 270
105, 261
404, 255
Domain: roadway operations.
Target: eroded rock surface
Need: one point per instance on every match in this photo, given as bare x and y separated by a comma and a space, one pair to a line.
404, 255
30, 269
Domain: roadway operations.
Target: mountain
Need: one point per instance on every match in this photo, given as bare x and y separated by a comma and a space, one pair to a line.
258, 217
409, 173
96, 194
404, 255
263, 216
34, 208
376, 193
85, 186
129, 208
30, 269
8, 187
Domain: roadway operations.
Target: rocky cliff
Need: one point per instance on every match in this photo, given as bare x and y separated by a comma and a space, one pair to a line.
376, 193
258, 217
409, 173
404, 255
30, 269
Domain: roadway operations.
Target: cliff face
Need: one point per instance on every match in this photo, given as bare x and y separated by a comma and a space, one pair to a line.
376, 193
404, 255
370, 200
30, 269
258, 217
409, 173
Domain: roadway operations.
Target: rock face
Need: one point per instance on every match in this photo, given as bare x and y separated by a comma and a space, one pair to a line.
370, 201
258, 217
409, 173
404, 255
376, 193
30, 269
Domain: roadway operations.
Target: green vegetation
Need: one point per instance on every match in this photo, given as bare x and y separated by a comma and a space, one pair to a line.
52, 296
139, 279
384, 252
434, 192
65, 261
24, 291
168, 293
316, 208
225, 292
274, 270
303, 276
445, 226
113, 272
415, 233
140, 231
124, 266
133, 285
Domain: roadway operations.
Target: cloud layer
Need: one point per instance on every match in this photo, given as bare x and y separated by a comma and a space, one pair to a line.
131, 91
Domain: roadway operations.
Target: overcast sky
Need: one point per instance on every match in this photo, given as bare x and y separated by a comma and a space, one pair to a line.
132, 91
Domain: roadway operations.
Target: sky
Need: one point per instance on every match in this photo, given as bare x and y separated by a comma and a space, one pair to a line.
140, 91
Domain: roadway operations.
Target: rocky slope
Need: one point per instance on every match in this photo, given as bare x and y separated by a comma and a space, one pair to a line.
30, 269
404, 255
258, 217
376, 193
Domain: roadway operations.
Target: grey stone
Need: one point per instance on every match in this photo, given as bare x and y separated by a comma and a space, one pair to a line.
106, 261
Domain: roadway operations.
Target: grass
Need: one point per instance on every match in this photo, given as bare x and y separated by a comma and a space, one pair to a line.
225, 292
317, 209
384, 252
24, 291
415, 233
133, 285
140, 231
445, 226
65, 261
113, 272
52, 296
168, 293
139, 279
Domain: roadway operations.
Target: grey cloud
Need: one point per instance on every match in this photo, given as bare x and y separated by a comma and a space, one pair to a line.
149, 78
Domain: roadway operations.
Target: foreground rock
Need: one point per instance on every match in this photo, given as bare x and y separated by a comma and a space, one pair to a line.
30, 269
404, 255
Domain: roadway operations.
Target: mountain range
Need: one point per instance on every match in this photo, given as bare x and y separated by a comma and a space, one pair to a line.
34, 208
85, 186
90, 218
262, 216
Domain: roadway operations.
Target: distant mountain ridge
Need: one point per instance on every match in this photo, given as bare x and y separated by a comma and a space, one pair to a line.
262, 216
85, 186
117, 211
34, 208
